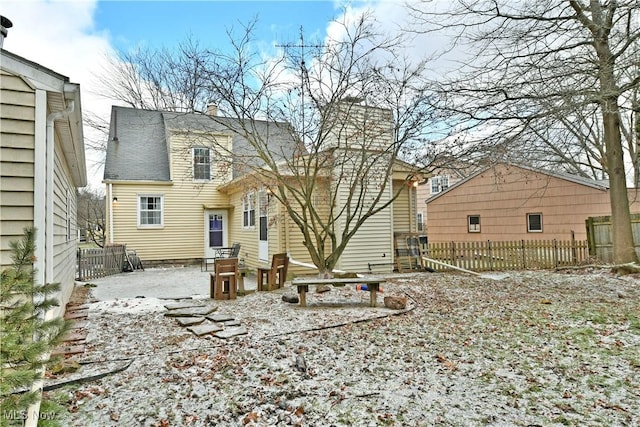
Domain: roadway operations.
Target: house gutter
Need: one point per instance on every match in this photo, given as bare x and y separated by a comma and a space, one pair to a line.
33, 412
40, 182
110, 207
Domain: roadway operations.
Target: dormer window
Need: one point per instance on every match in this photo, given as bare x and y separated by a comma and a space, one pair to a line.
201, 164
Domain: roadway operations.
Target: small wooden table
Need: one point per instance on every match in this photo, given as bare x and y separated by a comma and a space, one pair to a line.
373, 284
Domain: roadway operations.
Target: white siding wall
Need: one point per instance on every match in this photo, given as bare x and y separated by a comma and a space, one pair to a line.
373, 242
362, 134
17, 168
17, 128
65, 243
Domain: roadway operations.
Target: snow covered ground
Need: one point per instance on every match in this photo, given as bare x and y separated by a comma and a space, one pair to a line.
535, 348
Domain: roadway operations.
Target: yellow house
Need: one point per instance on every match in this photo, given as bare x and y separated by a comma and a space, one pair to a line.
180, 185
42, 164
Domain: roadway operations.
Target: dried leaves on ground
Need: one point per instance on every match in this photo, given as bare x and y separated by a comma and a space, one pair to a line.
535, 348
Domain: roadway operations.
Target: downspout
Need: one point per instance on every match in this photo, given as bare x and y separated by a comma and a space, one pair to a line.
110, 207
50, 174
412, 213
285, 216
33, 412
40, 182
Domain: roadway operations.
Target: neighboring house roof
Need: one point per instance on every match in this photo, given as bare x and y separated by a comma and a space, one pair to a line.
599, 185
140, 151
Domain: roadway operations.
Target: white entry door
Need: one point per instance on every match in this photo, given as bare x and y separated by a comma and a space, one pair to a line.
263, 224
215, 230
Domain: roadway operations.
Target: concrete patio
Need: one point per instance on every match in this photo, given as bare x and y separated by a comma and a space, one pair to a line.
170, 283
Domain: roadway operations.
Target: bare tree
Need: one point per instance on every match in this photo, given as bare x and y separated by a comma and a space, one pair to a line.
567, 65
353, 105
165, 79
91, 216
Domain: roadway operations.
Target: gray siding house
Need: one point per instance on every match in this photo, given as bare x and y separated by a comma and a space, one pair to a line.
42, 163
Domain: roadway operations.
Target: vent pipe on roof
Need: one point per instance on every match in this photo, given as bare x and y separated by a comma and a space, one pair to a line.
5, 24
115, 125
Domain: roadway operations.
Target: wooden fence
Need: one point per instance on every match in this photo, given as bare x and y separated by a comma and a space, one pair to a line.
100, 262
508, 255
600, 238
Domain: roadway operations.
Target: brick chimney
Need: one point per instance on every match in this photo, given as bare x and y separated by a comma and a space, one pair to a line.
212, 109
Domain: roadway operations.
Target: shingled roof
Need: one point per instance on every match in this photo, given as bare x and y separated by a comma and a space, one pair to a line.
138, 150
137, 146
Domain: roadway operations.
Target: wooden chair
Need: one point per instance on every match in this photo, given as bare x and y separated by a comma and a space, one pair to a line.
223, 282
275, 275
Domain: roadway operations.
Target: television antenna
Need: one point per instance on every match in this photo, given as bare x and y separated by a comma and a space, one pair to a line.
303, 70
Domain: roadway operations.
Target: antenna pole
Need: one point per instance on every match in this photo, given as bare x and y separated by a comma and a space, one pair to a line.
303, 73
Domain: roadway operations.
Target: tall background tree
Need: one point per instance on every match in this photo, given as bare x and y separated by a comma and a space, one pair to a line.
356, 85
91, 216
553, 80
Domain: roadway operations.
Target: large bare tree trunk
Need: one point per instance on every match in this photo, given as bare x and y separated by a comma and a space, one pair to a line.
600, 26
551, 82
623, 249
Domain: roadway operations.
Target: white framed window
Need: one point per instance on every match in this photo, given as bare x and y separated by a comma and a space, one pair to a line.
201, 164
249, 209
439, 183
150, 210
420, 221
473, 222
534, 222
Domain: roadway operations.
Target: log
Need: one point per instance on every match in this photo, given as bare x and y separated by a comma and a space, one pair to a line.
622, 269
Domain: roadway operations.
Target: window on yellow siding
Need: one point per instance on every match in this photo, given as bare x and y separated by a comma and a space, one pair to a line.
249, 210
150, 211
201, 164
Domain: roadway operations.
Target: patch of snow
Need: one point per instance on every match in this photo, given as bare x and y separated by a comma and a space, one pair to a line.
129, 306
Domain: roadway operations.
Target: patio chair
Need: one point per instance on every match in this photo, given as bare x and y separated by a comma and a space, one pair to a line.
231, 252
223, 282
275, 275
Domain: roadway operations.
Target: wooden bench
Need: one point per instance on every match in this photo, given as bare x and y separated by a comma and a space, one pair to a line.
373, 284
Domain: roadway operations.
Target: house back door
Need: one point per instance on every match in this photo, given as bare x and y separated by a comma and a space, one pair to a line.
215, 227
263, 223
